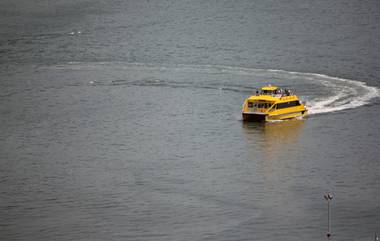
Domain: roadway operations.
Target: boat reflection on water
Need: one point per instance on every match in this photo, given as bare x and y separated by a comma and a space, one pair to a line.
274, 146
274, 138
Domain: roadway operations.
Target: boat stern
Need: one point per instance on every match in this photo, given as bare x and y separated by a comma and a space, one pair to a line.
254, 117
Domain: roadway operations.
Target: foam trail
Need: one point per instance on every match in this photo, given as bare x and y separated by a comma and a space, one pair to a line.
348, 94
336, 93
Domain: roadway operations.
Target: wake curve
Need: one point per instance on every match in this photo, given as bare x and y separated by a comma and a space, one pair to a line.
333, 94
347, 94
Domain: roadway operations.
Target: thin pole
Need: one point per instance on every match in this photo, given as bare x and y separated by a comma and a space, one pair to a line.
328, 217
328, 198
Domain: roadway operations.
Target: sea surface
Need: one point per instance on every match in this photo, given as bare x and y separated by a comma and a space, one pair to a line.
121, 120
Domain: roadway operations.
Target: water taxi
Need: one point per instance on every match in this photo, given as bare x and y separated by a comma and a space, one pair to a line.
272, 103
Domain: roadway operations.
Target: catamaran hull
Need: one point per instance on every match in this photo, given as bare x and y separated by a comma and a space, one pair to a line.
255, 117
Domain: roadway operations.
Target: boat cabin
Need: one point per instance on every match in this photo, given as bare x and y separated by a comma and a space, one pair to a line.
264, 105
274, 91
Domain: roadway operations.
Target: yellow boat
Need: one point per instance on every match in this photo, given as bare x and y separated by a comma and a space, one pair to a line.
273, 103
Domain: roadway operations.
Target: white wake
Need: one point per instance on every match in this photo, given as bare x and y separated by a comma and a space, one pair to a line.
332, 94
346, 94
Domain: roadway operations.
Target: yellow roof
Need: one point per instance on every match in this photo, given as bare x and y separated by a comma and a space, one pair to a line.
269, 87
263, 98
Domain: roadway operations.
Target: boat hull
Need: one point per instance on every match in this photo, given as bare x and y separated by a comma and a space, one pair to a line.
254, 117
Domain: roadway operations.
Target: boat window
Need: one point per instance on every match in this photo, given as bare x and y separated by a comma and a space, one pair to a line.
288, 104
250, 104
295, 103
